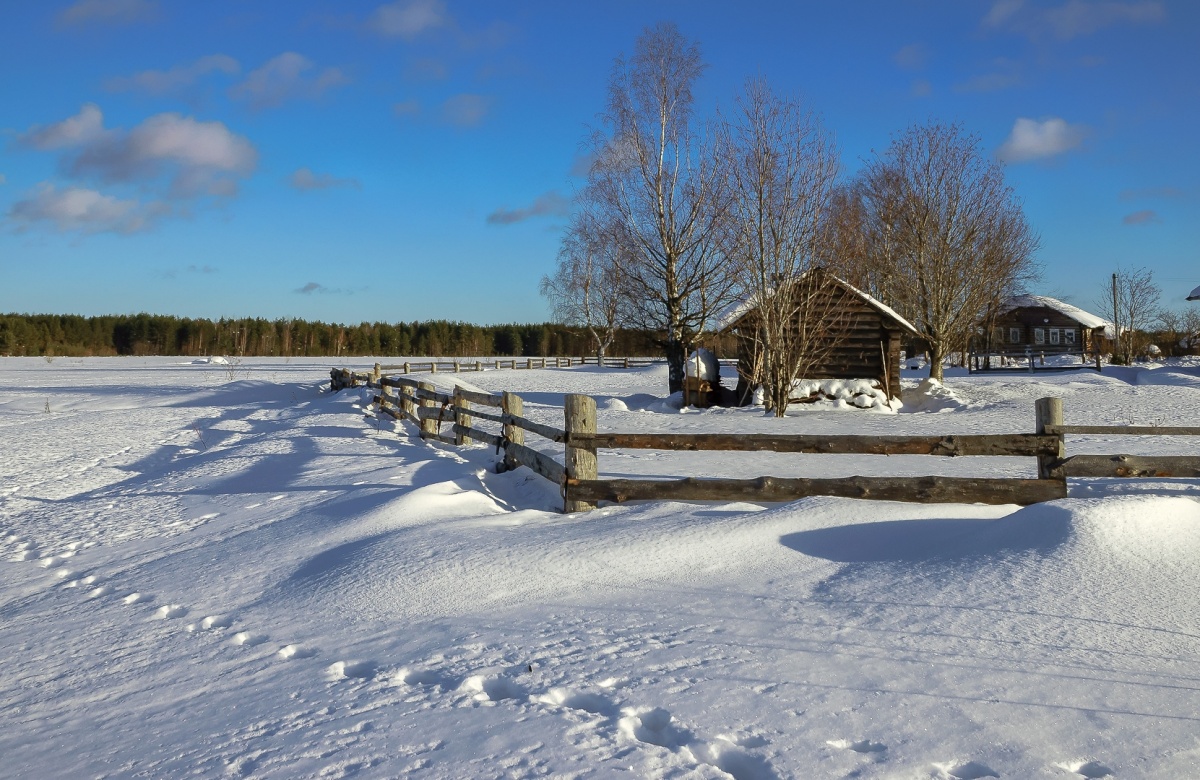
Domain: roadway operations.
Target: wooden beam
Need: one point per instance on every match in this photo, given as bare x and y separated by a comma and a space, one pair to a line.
1017, 444
962, 490
477, 435
539, 463
1126, 430
1132, 466
483, 399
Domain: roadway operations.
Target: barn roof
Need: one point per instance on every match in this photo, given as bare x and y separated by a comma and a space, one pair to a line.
739, 308
1195, 295
1086, 319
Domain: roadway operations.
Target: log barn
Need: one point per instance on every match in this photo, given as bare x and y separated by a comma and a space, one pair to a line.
864, 336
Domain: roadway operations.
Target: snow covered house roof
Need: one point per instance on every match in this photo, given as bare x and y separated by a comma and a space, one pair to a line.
1195, 295
739, 308
1086, 319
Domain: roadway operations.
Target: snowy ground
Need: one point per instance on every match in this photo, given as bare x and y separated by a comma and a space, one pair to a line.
216, 571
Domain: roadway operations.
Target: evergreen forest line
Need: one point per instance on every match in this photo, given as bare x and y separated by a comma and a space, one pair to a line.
154, 334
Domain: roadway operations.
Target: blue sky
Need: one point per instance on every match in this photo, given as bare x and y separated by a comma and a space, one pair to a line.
415, 159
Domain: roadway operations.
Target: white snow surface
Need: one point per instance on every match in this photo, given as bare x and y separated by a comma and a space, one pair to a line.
207, 572
703, 364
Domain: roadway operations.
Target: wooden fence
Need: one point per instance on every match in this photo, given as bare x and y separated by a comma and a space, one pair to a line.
459, 365
450, 418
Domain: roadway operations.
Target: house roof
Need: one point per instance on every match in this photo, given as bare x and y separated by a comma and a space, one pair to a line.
1195, 295
739, 308
1086, 319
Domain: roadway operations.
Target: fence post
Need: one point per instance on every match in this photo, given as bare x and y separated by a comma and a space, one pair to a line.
406, 366
512, 404
461, 417
1049, 412
625, 363
406, 403
385, 395
580, 412
478, 365
428, 424
433, 366
375, 374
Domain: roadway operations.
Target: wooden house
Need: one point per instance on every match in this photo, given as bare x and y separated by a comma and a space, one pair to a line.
1044, 326
864, 336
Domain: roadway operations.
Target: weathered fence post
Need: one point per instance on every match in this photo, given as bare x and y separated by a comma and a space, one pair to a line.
406, 402
406, 366
478, 365
385, 395
580, 412
456, 367
428, 424
625, 363
433, 366
1049, 412
375, 374
461, 417
512, 404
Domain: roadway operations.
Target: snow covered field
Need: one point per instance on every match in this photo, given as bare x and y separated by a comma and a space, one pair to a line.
214, 571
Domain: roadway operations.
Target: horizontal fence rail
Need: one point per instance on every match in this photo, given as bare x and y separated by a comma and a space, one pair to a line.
454, 417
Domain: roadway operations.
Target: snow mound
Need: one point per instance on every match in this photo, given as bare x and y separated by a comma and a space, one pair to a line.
931, 396
216, 360
841, 394
704, 364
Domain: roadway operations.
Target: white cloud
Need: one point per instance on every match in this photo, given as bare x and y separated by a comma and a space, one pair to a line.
163, 82
1034, 140
550, 204
1072, 19
305, 179
1146, 217
911, 57
108, 11
407, 19
407, 108
285, 77
465, 110
85, 126
84, 210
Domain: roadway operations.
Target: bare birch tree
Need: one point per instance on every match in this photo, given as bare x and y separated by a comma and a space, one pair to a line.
587, 287
948, 235
781, 165
663, 189
1130, 302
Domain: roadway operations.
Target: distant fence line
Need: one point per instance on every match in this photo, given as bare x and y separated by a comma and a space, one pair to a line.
421, 404
459, 365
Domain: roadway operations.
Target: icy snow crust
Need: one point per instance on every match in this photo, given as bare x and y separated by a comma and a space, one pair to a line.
209, 576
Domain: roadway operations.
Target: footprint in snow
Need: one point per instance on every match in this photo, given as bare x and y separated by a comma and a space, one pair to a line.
493, 688
288, 652
136, 598
1088, 769
210, 623
425, 678
971, 770
170, 611
96, 593
861, 746
248, 639
584, 701
359, 670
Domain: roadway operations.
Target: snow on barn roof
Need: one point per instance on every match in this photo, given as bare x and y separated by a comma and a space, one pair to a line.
739, 308
1195, 295
1084, 318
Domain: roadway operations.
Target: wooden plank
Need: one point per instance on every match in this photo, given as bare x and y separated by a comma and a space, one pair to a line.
1126, 430
399, 381
963, 490
539, 463
442, 437
1132, 466
483, 399
477, 435
545, 431
1017, 444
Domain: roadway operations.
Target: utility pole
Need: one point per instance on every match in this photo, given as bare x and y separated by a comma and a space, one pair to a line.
1116, 319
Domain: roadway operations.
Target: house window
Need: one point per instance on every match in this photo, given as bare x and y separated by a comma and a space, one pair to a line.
1039, 335
1069, 336
1014, 335
1055, 335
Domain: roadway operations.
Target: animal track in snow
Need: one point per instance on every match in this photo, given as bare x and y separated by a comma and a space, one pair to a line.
247, 639
493, 688
1088, 769
361, 670
136, 598
971, 770
211, 622
424, 678
288, 652
96, 593
578, 700
170, 611
861, 746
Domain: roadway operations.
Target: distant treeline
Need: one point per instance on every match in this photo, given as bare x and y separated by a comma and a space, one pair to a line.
154, 334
